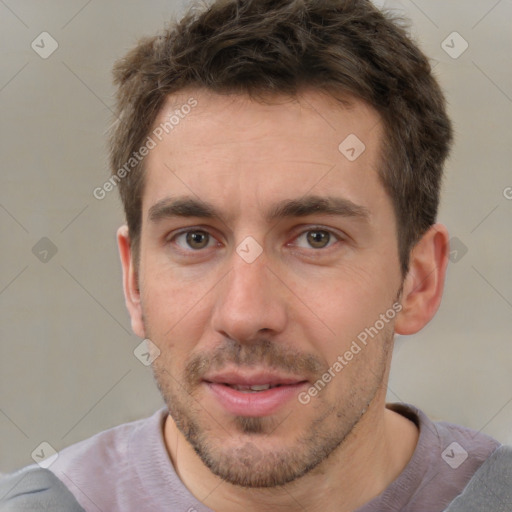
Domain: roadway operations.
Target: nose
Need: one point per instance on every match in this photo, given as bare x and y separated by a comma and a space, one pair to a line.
251, 301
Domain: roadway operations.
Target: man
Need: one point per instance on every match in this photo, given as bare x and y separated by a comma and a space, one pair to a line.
279, 165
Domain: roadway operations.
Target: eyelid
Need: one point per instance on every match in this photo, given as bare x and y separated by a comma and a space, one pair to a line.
340, 237
170, 238
305, 228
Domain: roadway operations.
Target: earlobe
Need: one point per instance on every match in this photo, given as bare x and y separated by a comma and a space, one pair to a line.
130, 282
424, 283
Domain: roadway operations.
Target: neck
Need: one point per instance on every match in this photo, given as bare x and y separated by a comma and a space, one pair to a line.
370, 458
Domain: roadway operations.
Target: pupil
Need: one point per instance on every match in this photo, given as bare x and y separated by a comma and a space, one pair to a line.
318, 238
196, 239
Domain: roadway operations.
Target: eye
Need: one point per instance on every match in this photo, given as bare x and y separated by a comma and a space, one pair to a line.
194, 239
316, 239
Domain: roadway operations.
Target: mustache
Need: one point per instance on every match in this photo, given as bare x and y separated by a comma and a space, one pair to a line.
261, 352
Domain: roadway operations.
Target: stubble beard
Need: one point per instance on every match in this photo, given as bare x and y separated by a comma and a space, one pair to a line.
249, 464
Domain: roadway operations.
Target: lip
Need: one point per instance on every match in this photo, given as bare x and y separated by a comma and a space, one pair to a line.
254, 404
255, 378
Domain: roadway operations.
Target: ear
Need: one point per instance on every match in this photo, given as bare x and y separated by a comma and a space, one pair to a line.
130, 282
424, 283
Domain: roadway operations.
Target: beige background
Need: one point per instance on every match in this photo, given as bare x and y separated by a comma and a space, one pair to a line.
67, 368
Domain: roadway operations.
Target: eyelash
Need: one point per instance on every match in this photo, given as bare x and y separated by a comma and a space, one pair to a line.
337, 238
334, 237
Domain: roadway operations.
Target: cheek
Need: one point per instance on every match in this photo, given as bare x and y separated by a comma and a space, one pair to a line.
175, 312
342, 309
172, 291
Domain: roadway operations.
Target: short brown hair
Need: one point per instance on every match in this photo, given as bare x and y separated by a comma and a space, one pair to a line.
261, 47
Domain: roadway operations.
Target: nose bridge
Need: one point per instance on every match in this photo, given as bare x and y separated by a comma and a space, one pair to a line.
246, 273
249, 301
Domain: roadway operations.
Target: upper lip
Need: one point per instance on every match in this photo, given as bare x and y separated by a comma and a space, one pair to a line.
252, 378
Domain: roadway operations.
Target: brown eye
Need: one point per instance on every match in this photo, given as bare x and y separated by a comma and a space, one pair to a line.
197, 239
318, 239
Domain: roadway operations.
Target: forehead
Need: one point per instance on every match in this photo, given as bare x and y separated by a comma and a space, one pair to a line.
238, 115
227, 147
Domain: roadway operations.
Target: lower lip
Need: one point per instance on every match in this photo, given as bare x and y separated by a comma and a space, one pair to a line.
259, 403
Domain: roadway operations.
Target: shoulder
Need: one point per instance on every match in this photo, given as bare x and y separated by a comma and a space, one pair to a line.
96, 472
455, 443
107, 448
446, 458
490, 488
35, 489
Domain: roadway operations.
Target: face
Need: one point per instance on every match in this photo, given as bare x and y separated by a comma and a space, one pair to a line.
267, 277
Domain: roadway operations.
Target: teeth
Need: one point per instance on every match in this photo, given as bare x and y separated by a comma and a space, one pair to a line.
256, 387
260, 387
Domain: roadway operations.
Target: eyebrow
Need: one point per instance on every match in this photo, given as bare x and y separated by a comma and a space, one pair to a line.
311, 205
301, 207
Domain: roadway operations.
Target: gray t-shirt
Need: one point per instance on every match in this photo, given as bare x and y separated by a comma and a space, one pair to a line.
127, 468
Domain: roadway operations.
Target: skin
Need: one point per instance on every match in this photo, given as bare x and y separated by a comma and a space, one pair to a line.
320, 280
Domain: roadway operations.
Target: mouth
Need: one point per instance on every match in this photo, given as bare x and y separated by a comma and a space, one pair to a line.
256, 394
256, 388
